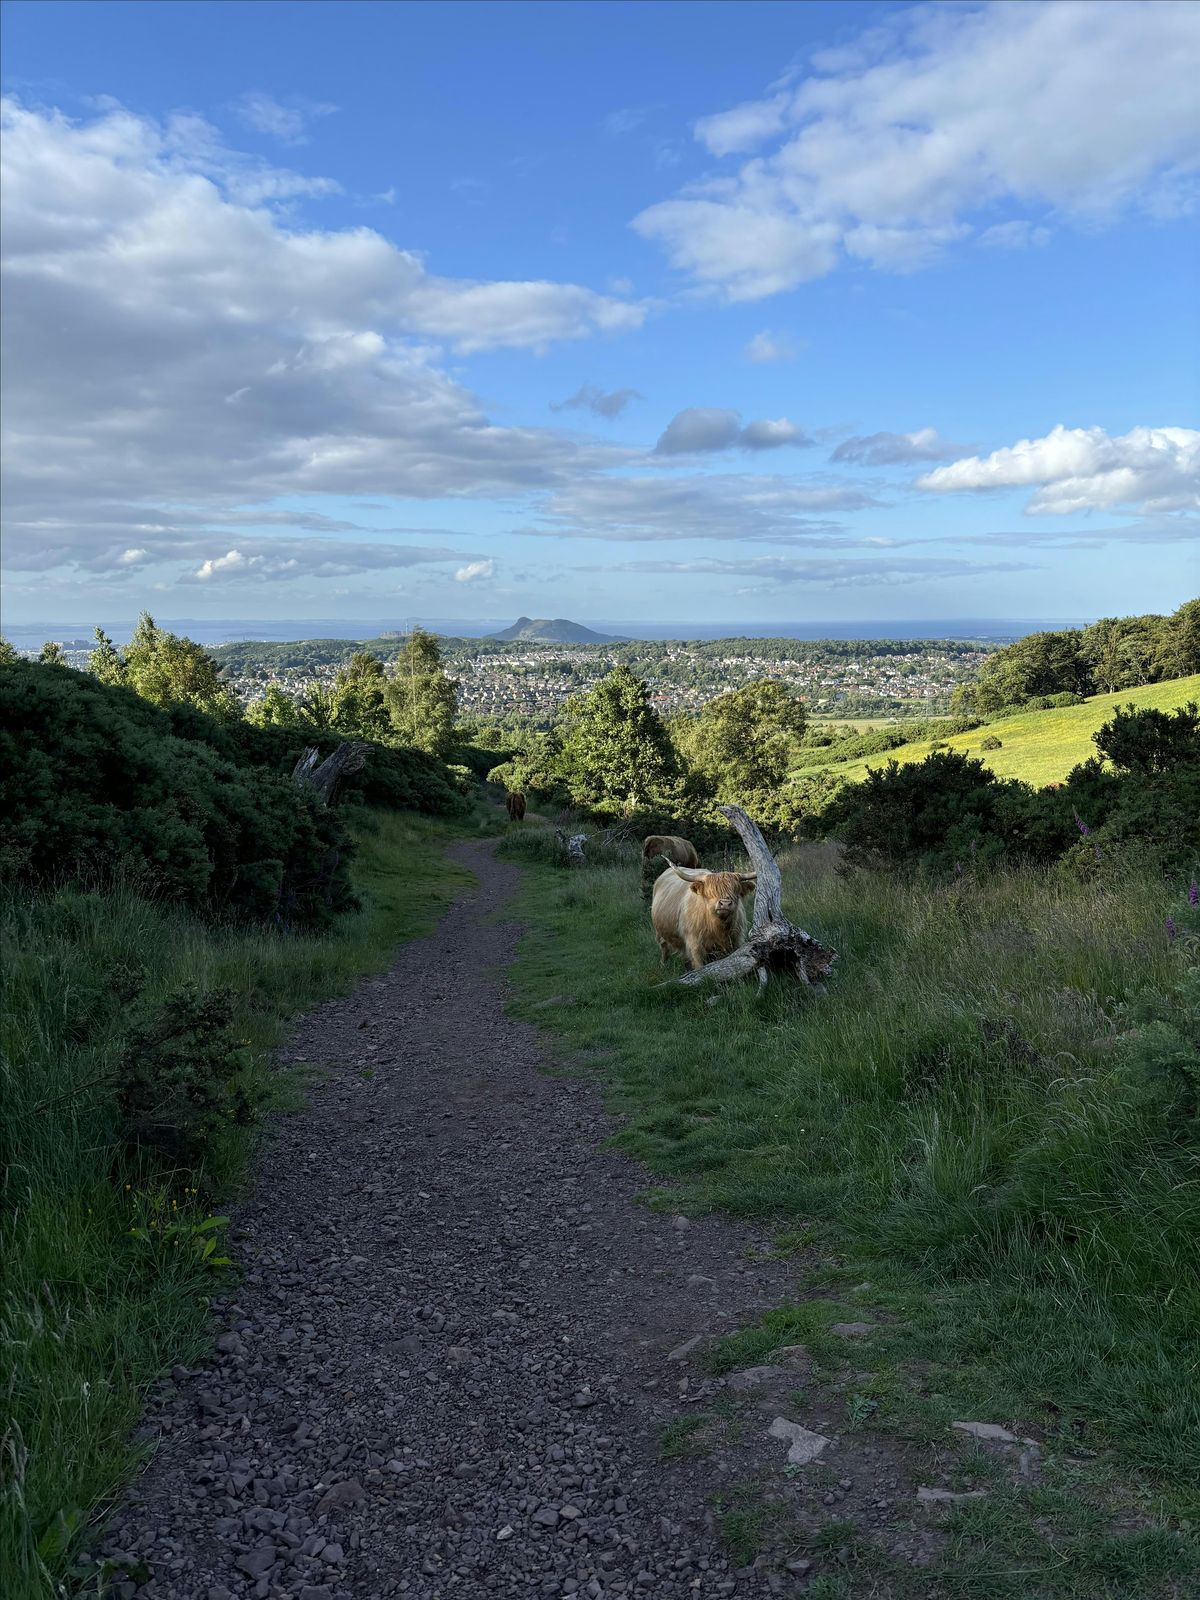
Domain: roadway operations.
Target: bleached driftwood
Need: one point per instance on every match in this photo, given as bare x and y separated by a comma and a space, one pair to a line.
323, 777
774, 944
573, 844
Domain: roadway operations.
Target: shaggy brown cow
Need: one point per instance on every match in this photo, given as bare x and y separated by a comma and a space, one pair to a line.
700, 912
514, 804
680, 851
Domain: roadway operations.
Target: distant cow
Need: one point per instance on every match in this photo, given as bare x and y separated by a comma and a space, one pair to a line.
514, 804
700, 912
679, 851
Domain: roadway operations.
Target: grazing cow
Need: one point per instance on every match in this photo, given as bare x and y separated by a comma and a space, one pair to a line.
700, 912
514, 804
679, 851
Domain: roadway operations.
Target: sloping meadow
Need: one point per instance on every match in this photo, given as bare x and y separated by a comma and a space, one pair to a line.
991, 1113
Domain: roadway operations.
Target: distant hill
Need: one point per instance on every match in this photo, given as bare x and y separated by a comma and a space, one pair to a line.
1039, 746
542, 630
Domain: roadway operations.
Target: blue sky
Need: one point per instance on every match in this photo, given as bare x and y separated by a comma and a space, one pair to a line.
674, 312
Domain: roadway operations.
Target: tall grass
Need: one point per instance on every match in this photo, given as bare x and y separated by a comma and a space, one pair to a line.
106, 1280
970, 1113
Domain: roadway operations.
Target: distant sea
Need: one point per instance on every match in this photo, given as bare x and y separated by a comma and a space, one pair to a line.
994, 630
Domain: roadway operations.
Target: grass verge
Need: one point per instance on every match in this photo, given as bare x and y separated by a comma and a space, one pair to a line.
108, 1259
990, 1116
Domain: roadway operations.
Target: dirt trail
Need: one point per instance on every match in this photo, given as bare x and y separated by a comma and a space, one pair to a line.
447, 1365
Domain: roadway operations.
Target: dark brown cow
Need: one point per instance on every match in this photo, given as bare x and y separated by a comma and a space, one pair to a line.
514, 804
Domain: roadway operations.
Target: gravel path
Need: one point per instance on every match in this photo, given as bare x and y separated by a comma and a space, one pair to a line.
449, 1356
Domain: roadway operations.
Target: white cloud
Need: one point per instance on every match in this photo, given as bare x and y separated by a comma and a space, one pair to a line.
265, 114
728, 506
263, 560
767, 346
1019, 234
700, 429
475, 570
771, 571
1148, 470
888, 150
887, 449
590, 397
176, 353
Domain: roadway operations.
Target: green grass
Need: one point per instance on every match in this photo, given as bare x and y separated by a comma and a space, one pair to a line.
1039, 747
963, 1119
92, 1313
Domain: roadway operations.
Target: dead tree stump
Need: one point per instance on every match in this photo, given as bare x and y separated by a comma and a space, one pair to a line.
774, 946
323, 777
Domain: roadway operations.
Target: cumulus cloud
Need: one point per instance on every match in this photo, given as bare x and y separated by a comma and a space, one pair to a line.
767, 346
730, 506
1147, 470
261, 560
700, 429
590, 397
475, 570
265, 114
157, 378
887, 449
888, 149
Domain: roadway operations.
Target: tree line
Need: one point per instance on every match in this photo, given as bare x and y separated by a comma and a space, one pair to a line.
1112, 654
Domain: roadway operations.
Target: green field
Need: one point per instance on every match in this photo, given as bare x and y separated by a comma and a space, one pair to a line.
1039, 747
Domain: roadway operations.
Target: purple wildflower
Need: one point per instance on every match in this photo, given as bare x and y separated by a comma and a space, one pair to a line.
1172, 930
1193, 893
1081, 824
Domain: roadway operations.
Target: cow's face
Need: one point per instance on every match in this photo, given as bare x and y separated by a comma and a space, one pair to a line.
724, 891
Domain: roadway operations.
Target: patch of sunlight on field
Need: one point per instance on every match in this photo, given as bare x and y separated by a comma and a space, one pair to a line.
1039, 747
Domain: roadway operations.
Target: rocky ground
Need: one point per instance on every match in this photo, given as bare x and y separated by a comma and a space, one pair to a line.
463, 1358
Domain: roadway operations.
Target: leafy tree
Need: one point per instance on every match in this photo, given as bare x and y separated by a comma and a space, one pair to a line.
616, 754
169, 670
360, 704
1039, 664
743, 742
7, 653
1149, 741
274, 710
421, 699
318, 707
52, 654
105, 661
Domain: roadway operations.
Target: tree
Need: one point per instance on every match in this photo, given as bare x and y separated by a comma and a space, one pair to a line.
169, 670
360, 702
7, 653
1039, 664
743, 742
106, 662
274, 710
422, 700
52, 654
616, 754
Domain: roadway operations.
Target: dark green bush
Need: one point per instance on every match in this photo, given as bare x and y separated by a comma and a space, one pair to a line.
991, 743
184, 1078
96, 782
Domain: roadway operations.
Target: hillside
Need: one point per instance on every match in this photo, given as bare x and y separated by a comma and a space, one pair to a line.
1039, 747
558, 630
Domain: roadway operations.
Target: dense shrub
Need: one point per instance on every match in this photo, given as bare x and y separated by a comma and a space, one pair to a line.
183, 1078
991, 743
96, 781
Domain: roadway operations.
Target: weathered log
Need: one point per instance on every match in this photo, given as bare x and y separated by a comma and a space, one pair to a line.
573, 844
323, 777
774, 944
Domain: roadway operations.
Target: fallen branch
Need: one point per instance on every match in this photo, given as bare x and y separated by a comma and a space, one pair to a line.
774, 945
323, 777
573, 844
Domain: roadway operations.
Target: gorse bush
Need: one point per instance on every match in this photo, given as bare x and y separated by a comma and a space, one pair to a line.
1136, 803
183, 1077
97, 781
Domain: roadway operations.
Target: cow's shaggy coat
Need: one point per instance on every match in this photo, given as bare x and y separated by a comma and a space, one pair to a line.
700, 912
